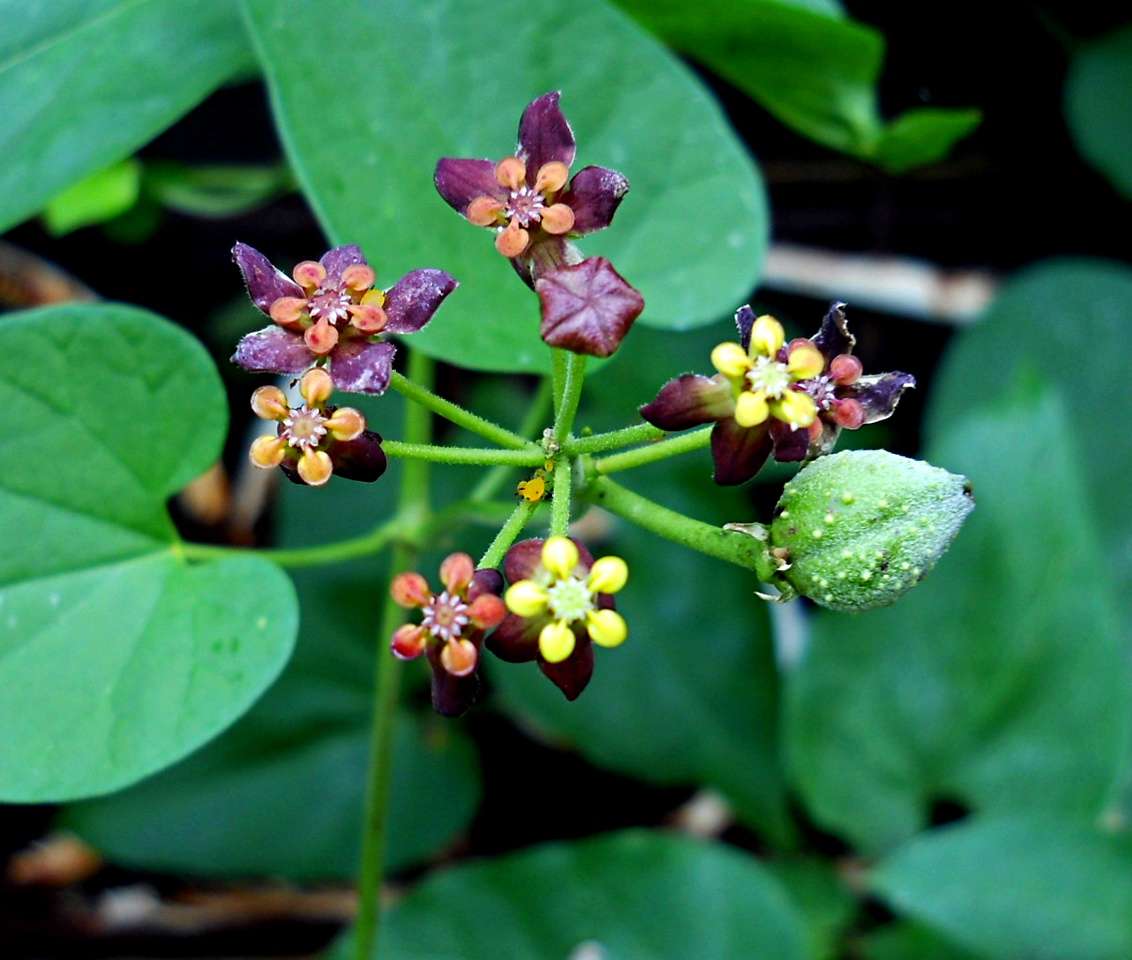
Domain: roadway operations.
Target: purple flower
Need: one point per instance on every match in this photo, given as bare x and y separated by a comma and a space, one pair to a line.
332, 310
560, 604
790, 399
315, 441
535, 209
528, 198
452, 627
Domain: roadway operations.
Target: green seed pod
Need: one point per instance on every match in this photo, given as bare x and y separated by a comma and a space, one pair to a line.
858, 529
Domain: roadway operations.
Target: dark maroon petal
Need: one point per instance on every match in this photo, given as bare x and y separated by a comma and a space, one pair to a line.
744, 320
273, 350
544, 135
523, 559
738, 452
572, 675
451, 696
412, 300
359, 459
485, 581
587, 307
878, 393
265, 282
339, 259
834, 337
460, 180
594, 195
359, 366
515, 640
789, 445
688, 401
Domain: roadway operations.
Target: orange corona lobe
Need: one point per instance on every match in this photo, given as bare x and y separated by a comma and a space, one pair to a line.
316, 386
511, 172
456, 572
309, 274
315, 467
270, 403
410, 590
459, 657
346, 424
551, 177
512, 240
358, 277
288, 311
484, 211
367, 317
267, 452
558, 218
321, 338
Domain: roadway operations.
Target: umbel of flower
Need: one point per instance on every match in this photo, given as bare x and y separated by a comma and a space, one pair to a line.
769, 396
858, 529
329, 311
528, 198
560, 603
452, 627
315, 441
535, 208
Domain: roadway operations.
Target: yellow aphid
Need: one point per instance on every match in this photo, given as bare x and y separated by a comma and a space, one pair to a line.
532, 490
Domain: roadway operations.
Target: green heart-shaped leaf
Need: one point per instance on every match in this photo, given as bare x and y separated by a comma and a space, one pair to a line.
117, 657
408, 84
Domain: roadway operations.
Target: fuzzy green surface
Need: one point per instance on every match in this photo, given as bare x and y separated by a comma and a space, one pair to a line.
865, 526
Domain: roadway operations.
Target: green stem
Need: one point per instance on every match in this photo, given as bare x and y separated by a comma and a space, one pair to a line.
298, 557
386, 686
537, 414
615, 439
530, 456
413, 509
455, 413
573, 377
507, 535
560, 505
629, 459
737, 548
557, 376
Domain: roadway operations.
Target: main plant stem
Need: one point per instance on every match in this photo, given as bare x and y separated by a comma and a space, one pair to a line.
572, 375
413, 510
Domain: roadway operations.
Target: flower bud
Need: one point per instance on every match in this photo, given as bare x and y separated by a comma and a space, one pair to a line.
858, 529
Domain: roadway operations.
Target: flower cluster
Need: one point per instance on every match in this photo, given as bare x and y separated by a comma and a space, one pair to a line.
535, 209
316, 440
329, 311
560, 603
773, 397
452, 627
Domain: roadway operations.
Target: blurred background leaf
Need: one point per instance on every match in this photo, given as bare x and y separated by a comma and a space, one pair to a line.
94, 199
1096, 105
1021, 886
811, 67
84, 83
624, 896
1001, 681
691, 234
300, 755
